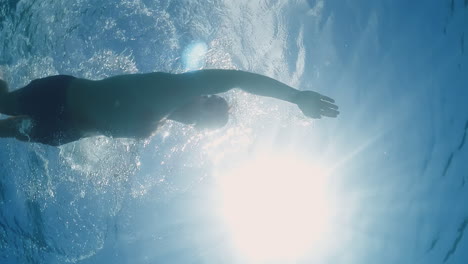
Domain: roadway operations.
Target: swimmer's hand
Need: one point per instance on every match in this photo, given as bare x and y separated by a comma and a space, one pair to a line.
315, 105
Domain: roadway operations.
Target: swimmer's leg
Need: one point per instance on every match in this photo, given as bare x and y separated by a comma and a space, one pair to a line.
13, 127
7, 101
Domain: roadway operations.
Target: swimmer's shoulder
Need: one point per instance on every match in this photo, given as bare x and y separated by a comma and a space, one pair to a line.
81, 83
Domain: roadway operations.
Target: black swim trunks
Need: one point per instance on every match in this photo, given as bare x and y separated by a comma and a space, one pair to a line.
44, 101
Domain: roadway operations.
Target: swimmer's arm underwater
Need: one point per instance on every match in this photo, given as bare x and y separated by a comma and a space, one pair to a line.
215, 81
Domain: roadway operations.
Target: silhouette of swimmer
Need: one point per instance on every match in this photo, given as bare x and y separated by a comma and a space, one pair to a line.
60, 109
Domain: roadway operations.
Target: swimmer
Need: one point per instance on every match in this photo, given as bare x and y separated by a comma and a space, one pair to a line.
60, 109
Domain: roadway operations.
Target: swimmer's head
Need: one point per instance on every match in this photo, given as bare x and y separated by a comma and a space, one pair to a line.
204, 112
213, 112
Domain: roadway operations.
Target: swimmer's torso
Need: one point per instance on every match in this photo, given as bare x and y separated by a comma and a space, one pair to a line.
126, 105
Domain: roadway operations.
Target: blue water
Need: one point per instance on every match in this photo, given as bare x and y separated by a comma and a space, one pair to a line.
395, 157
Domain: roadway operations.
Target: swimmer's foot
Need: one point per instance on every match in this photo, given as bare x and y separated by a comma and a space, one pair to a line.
3, 92
3, 87
7, 104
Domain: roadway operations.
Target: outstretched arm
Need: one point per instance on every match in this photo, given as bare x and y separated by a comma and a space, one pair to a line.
311, 103
215, 81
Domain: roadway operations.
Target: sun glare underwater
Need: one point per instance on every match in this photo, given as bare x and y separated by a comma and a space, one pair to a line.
277, 207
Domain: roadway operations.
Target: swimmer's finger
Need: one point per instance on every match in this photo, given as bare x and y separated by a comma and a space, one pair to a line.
327, 99
329, 105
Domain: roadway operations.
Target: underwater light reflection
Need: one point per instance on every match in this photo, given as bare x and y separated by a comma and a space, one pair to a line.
194, 56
